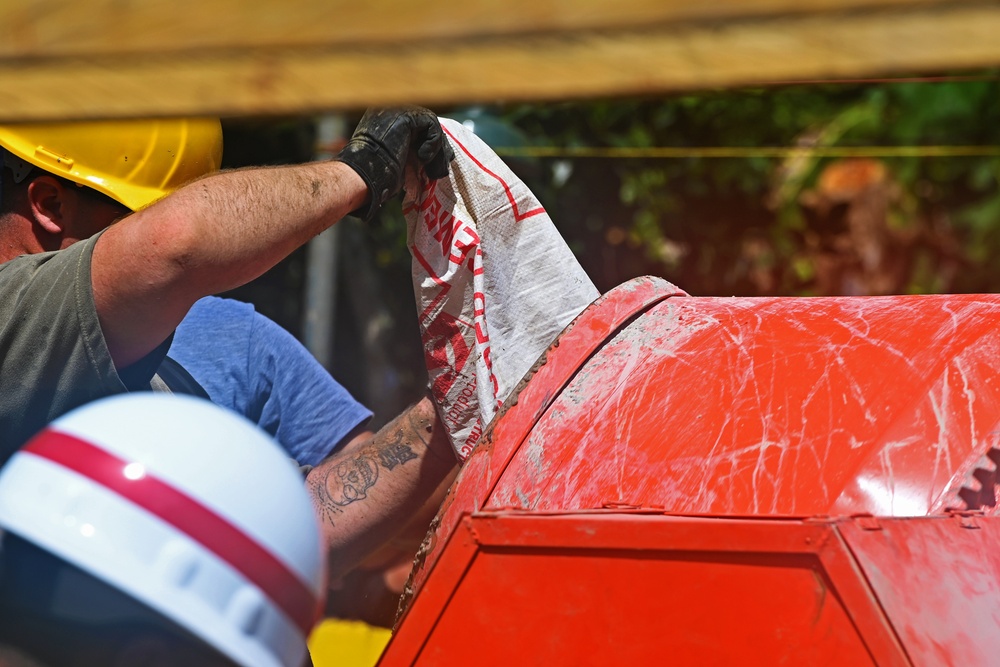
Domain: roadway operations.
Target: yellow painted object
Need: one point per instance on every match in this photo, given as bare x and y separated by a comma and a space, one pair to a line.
338, 643
135, 162
265, 59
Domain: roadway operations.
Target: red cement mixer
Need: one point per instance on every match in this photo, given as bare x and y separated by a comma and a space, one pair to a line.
708, 481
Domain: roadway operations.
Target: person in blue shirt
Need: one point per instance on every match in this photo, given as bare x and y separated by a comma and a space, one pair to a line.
254, 367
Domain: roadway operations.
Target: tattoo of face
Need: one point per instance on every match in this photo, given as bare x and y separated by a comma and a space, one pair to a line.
354, 478
345, 483
351, 480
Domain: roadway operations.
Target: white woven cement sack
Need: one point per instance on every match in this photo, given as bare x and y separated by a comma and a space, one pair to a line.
494, 281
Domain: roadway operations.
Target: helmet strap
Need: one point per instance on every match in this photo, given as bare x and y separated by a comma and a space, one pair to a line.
19, 167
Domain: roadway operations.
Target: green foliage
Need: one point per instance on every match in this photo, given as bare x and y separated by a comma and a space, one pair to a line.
738, 225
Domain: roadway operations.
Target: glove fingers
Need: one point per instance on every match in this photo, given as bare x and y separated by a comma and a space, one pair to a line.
384, 141
437, 166
435, 152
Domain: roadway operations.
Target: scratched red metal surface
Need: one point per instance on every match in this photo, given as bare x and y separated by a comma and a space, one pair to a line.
619, 588
581, 339
654, 403
775, 406
937, 580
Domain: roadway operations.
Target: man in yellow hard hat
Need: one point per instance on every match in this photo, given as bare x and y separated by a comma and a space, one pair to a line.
87, 307
222, 345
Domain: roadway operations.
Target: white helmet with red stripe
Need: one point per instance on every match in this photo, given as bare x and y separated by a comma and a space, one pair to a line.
188, 508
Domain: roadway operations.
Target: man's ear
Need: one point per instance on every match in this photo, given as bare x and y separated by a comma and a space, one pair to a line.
47, 199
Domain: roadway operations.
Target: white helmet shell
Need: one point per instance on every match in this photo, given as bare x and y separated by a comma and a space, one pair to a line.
186, 507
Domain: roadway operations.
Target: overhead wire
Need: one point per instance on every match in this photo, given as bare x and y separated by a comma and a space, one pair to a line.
944, 78
744, 152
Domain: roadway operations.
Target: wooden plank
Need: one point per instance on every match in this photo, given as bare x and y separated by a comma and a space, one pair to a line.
44, 28
685, 55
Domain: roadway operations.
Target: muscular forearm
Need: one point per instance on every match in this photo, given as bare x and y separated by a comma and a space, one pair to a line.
366, 495
210, 236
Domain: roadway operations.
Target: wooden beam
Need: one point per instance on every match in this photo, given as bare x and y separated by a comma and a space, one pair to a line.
44, 28
298, 63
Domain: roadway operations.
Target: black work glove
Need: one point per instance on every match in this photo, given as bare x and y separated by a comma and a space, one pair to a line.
383, 142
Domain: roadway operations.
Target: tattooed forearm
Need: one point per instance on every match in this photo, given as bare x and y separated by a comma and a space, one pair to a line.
350, 480
367, 493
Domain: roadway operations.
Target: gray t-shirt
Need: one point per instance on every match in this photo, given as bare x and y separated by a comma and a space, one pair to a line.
53, 356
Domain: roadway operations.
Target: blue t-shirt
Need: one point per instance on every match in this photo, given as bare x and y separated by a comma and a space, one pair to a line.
249, 364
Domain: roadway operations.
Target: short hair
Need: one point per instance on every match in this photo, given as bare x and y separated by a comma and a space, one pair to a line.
9, 181
16, 173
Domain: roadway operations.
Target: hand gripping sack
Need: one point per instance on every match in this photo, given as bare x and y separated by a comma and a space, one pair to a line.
495, 283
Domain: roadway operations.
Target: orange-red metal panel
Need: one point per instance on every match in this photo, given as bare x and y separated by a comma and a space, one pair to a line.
939, 583
622, 588
580, 340
772, 406
655, 403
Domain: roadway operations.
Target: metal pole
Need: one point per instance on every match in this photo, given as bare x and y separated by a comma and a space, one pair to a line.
321, 264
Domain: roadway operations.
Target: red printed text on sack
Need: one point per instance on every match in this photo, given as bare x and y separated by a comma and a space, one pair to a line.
483, 337
445, 350
456, 238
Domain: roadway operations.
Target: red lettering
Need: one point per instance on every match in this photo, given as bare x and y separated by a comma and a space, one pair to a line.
442, 227
478, 304
425, 204
474, 435
444, 335
481, 336
463, 247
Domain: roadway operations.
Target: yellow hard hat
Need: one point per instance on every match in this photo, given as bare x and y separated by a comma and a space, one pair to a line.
134, 162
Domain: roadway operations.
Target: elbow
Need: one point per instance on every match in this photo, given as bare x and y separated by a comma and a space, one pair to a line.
174, 246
